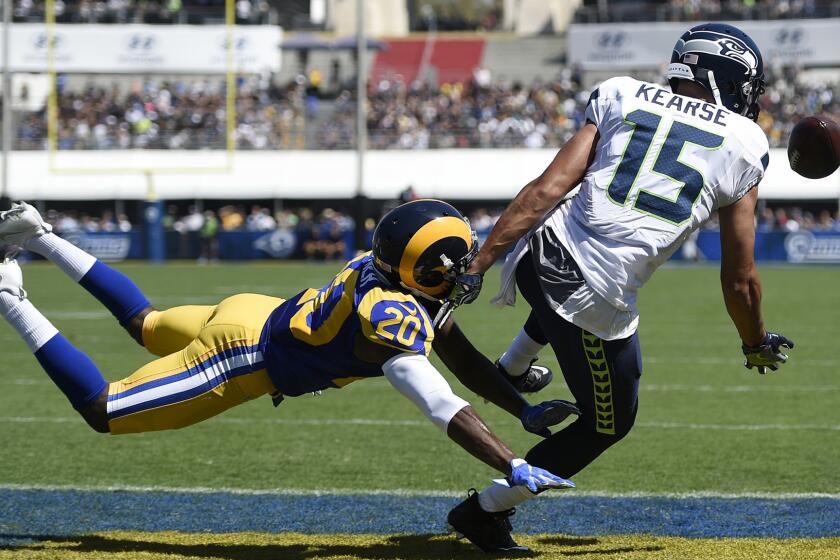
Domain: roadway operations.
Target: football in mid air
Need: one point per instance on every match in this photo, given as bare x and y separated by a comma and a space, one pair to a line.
813, 147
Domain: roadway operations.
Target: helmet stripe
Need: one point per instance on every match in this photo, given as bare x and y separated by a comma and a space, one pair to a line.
439, 228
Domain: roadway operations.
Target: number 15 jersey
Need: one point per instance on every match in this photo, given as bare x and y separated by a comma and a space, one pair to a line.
663, 164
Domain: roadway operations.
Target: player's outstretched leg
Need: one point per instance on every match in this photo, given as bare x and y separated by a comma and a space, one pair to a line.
22, 225
71, 370
518, 365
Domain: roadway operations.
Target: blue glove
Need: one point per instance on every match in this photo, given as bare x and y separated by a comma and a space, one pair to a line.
534, 478
536, 418
768, 354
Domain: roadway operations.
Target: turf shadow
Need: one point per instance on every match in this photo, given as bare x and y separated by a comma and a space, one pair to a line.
569, 541
611, 551
574, 542
402, 547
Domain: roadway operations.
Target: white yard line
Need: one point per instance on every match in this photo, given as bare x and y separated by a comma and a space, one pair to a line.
77, 315
666, 387
423, 423
737, 427
707, 360
404, 492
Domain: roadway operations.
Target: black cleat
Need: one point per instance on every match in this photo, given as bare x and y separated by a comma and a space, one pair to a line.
488, 531
535, 379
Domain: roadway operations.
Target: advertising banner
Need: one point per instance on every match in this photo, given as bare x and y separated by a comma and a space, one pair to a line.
106, 246
648, 45
799, 247
808, 247
130, 49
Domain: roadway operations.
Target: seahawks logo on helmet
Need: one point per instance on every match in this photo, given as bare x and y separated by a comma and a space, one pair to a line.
725, 61
715, 45
422, 246
739, 52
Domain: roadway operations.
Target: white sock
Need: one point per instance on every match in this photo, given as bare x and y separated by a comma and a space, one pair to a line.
30, 324
69, 258
500, 498
518, 357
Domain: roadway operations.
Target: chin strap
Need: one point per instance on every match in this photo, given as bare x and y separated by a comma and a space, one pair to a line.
715, 91
684, 72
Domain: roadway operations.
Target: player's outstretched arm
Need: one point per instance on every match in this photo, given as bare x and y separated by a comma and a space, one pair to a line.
539, 196
482, 377
742, 288
738, 274
417, 379
474, 370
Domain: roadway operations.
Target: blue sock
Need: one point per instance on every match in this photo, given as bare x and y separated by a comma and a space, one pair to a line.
115, 291
74, 373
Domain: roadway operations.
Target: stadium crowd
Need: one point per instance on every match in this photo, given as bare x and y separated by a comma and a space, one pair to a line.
702, 10
170, 115
483, 113
141, 11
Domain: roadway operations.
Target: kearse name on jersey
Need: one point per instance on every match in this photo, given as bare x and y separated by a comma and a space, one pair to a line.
699, 109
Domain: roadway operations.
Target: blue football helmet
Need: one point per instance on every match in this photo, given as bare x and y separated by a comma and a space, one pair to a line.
724, 60
422, 246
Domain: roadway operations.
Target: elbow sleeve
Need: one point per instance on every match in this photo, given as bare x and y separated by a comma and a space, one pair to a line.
418, 380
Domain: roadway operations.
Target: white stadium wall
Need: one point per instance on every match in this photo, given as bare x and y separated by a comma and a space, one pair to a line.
626, 47
139, 49
453, 174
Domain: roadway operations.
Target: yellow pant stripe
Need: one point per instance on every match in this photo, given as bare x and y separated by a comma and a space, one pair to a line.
221, 367
600, 370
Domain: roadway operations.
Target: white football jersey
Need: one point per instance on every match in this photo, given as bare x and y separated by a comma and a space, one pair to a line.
663, 164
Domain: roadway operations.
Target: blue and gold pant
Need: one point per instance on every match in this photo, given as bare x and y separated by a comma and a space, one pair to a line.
210, 361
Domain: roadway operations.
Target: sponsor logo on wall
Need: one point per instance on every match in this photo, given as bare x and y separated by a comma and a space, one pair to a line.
105, 247
791, 43
805, 247
612, 46
137, 48
37, 51
141, 49
279, 244
648, 45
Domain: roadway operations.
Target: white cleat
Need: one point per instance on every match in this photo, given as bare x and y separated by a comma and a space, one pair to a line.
20, 224
11, 278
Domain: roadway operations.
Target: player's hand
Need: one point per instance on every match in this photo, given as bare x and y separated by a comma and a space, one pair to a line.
466, 289
768, 354
534, 478
536, 418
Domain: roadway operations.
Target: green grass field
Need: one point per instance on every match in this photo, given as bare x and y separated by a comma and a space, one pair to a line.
705, 423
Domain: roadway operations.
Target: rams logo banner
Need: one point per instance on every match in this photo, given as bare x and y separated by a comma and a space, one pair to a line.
805, 247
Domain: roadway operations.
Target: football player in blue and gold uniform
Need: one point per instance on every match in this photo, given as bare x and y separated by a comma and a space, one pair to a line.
372, 319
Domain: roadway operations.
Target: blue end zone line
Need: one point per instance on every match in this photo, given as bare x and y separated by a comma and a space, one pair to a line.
26, 513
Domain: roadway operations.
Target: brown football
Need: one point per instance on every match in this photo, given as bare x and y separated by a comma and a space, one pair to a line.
813, 147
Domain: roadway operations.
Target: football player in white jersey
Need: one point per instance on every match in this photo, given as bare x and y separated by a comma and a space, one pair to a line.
652, 165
